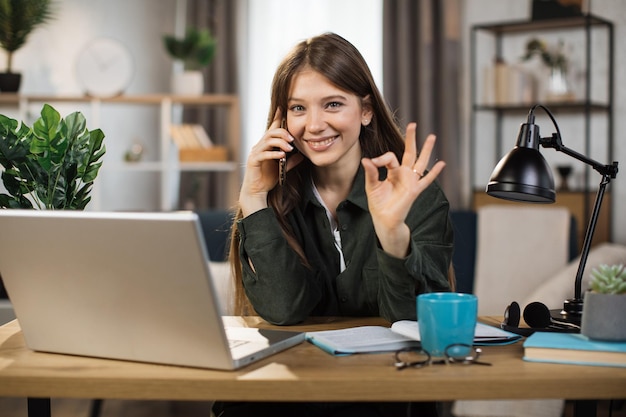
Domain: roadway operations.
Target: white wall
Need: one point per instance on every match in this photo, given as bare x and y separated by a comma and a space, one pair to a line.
615, 10
492, 11
47, 61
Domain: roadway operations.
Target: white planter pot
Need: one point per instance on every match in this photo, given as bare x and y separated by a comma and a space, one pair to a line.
188, 83
603, 317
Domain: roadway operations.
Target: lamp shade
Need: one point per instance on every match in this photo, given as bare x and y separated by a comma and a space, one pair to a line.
523, 174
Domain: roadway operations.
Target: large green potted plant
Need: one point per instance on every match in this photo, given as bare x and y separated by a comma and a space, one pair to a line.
196, 51
18, 18
604, 309
52, 165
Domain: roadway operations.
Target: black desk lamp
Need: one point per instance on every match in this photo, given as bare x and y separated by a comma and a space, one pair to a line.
524, 175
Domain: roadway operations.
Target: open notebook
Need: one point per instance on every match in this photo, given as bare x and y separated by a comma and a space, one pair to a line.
132, 286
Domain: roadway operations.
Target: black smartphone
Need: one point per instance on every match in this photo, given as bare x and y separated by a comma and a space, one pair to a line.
282, 170
282, 166
282, 163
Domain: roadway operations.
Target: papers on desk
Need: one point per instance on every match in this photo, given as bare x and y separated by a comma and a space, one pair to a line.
402, 334
484, 334
362, 339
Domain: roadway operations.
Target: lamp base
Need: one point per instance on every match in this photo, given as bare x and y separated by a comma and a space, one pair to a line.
571, 312
561, 315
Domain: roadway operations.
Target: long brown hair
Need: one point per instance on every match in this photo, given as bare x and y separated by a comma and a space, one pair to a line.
344, 66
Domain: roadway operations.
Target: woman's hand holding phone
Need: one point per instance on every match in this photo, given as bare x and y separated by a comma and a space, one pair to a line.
263, 170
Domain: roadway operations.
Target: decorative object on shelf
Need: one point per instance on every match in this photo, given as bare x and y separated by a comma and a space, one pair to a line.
605, 304
554, 59
564, 171
524, 175
18, 18
52, 165
195, 51
553, 9
134, 153
105, 68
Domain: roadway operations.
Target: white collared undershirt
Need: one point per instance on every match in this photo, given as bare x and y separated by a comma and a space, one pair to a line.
334, 229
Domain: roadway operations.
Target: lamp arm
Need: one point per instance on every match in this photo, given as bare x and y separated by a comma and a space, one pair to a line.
555, 143
589, 236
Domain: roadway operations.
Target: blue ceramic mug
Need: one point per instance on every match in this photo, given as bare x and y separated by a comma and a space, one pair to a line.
445, 319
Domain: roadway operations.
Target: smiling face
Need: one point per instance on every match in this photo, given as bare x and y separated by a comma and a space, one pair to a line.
325, 120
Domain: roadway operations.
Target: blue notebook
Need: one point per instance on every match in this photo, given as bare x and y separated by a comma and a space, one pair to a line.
573, 348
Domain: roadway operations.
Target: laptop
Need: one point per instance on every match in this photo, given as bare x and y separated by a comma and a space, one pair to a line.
130, 286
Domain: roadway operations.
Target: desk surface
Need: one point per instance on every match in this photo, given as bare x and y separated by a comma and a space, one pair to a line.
300, 373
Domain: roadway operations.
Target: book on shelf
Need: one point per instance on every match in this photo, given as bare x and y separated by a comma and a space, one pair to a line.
402, 334
190, 136
195, 145
573, 348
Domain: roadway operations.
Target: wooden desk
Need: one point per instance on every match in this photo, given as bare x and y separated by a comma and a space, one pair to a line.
302, 373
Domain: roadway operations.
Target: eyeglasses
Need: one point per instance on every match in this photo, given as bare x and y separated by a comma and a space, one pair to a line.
458, 353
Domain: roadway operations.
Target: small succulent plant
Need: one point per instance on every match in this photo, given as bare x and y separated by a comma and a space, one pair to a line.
609, 279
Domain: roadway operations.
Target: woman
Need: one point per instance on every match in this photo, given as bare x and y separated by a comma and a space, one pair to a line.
359, 227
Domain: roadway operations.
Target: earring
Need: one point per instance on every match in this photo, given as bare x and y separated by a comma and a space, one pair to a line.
366, 122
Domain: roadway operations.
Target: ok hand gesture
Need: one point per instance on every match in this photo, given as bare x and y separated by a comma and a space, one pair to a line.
390, 200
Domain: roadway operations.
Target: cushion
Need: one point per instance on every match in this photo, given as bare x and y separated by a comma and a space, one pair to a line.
559, 286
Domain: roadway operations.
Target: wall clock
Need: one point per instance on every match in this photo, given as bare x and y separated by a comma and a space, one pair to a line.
105, 68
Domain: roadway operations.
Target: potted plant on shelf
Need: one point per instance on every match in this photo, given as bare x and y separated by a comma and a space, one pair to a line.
52, 165
554, 58
604, 308
18, 18
195, 50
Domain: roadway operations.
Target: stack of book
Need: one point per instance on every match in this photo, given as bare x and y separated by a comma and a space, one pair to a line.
194, 144
573, 348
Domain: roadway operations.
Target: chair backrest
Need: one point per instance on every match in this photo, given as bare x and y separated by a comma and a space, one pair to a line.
464, 254
464, 223
216, 226
518, 249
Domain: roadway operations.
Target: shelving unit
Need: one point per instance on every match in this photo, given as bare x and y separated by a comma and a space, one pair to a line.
588, 107
164, 167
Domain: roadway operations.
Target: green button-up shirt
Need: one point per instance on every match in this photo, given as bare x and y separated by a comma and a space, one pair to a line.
374, 283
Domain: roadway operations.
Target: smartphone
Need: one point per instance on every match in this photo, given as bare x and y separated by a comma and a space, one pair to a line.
282, 167
282, 170
282, 163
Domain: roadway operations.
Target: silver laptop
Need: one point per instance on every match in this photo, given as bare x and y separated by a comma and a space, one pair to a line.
132, 286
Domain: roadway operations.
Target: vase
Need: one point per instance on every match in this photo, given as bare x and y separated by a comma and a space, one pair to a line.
564, 172
10, 82
603, 317
188, 83
557, 87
